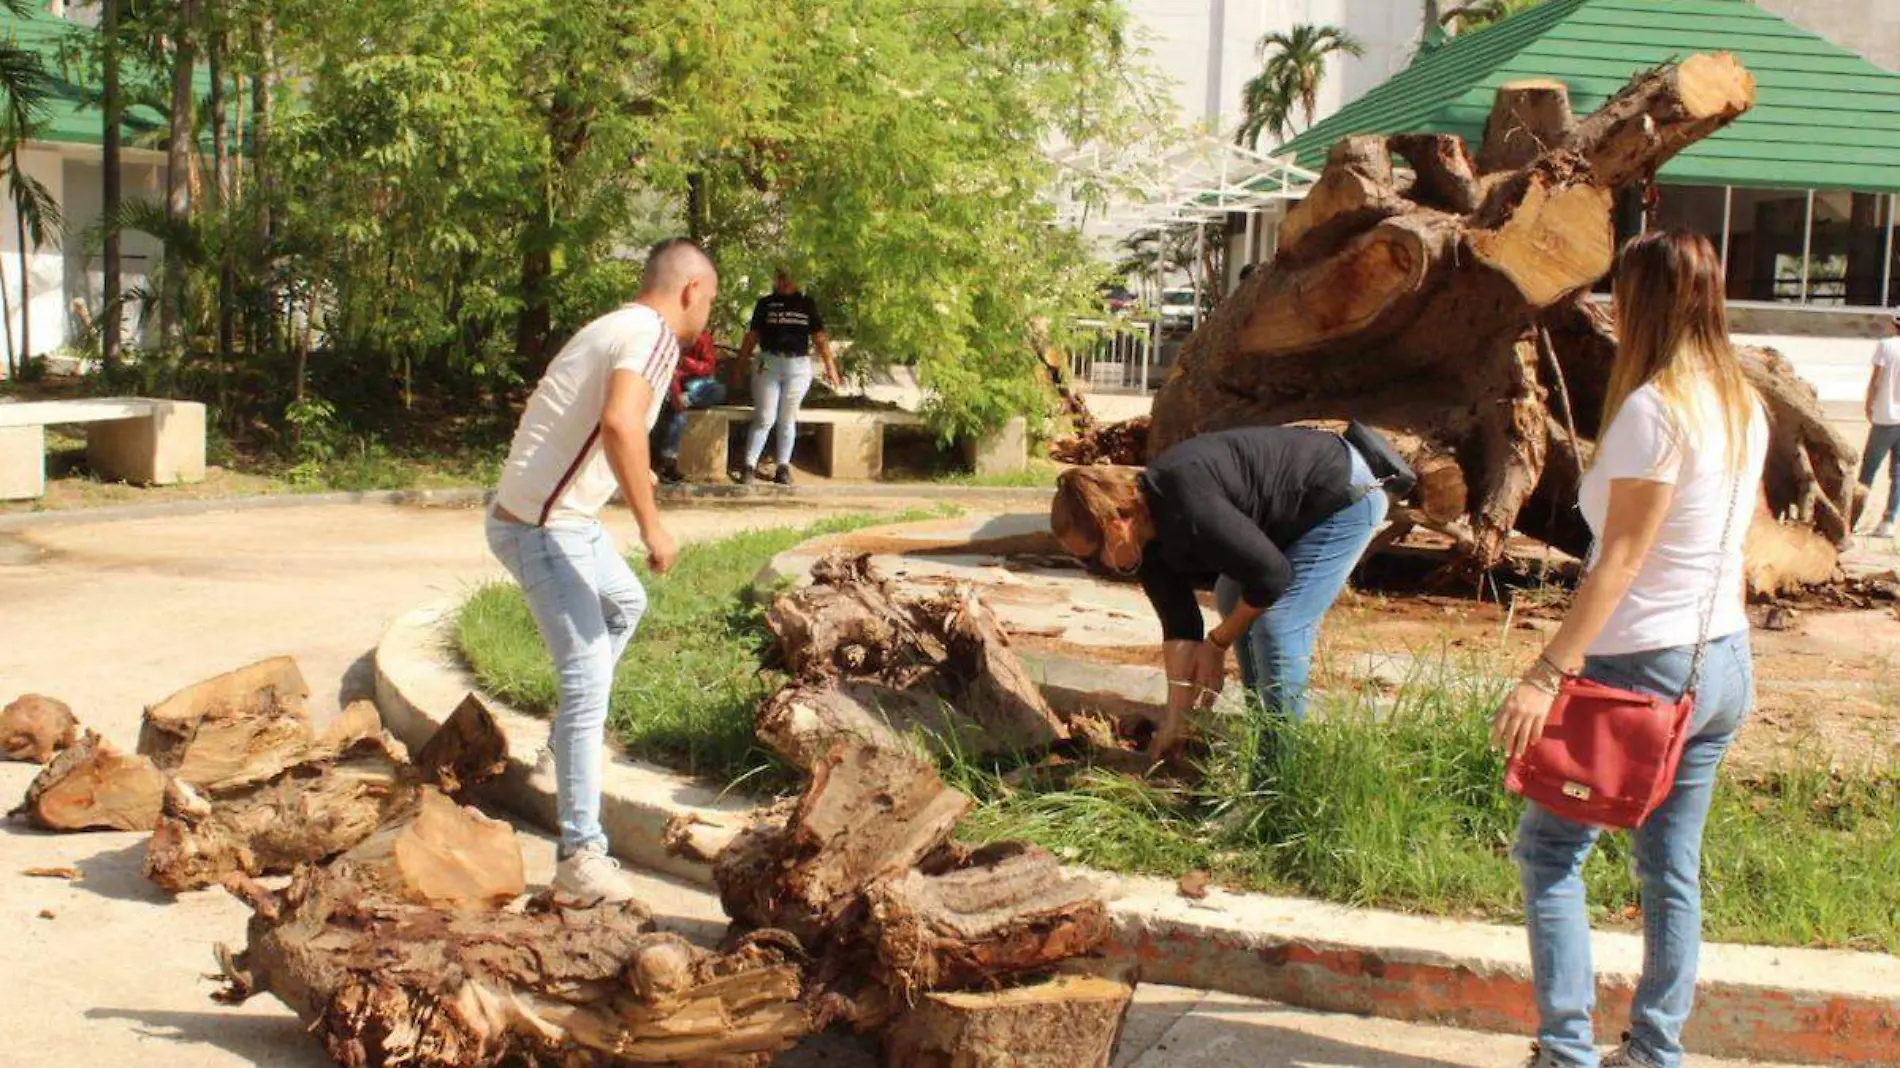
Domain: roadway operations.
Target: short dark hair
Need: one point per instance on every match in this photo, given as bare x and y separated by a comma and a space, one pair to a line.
673, 262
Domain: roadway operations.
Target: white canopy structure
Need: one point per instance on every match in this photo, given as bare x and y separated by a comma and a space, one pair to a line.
1197, 179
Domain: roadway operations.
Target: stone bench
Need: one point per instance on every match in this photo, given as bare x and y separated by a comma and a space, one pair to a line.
851, 440
150, 442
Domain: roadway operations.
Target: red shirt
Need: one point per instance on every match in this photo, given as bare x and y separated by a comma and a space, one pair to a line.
696, 362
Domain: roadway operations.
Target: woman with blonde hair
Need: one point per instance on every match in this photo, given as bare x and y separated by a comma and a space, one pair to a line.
1272, 518
1668, 495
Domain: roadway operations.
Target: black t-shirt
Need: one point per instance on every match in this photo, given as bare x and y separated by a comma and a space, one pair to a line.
1228, 504
785, 323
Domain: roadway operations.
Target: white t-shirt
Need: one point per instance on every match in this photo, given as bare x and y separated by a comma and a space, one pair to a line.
557, 474
1887, 392
1666, 604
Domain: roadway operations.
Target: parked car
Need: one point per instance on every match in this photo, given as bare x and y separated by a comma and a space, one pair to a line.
1120, 300
1177, 309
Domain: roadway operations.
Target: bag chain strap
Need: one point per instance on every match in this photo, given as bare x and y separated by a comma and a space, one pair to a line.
1715, 593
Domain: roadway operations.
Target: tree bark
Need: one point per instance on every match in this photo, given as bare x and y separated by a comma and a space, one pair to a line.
184, 106
225, 198
94, 787
1450, 313
112, 319
34, 727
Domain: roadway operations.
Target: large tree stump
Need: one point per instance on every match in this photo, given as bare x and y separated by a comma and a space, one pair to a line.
1068, 1022
34, 727
1450, 313
441, 854
95, 787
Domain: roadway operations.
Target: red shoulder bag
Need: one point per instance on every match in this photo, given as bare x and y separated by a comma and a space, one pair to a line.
1609, 756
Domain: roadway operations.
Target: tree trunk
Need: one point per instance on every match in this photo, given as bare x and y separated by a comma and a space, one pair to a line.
93, 786
439, 854
246, 727
33, 728
172, 311
1449, 312
112, 319
385, 982
225, 198
263, 324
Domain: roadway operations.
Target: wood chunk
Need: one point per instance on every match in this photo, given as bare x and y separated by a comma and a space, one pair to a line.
232, 731
1557, 236
1528, 118
298, 819
389, 983
1067, 1022
93, 786
1660, 113
1446, 178
34, 727
440, 854
803, 723
467, 750
1010, 911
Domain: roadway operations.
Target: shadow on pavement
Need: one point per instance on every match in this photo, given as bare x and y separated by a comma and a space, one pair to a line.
276, 1041
1188, 1030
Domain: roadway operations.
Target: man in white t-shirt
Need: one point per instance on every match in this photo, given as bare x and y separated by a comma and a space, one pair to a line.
1883, 411
584, 432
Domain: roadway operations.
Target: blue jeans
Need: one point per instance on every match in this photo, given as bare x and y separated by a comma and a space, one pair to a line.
1883, 446
698, 393
586, 603
1276, 653
1551, 852
779, 385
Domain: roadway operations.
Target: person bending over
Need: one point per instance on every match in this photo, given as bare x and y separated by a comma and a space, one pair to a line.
1273, 518
584, 432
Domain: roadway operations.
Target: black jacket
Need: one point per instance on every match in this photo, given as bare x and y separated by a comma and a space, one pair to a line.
1228, 504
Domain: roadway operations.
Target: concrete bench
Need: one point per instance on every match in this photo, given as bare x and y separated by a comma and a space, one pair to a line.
150, 442
851, 440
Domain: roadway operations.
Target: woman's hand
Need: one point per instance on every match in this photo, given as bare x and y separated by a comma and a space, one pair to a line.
1520, 720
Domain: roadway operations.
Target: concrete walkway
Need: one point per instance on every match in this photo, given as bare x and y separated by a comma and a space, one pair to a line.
111, 616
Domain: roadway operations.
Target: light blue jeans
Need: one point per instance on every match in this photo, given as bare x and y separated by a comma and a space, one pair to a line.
1551, 852
1883, 446
779, 385
1276, 653
698, 393
586, 603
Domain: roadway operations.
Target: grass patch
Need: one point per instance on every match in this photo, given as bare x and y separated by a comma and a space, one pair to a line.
1402, 807
1040, 473
685, 693
1394, 803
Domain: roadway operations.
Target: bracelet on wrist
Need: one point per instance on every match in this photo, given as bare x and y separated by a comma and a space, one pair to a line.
1544, 660
1540, 685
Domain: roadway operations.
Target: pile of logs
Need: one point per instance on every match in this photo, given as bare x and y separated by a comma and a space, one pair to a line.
1446, 303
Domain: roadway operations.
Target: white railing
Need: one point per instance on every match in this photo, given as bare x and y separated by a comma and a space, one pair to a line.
1116, 355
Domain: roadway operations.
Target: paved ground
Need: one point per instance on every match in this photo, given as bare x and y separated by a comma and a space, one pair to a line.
111, 616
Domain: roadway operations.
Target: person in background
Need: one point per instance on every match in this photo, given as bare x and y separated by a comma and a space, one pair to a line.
1669, 493
785, 327
694, 386
1883, 437
1274, 518
583, 434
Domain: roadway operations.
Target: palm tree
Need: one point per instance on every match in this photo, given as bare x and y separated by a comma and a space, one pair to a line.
1267, 105
1296, 60
1477, 14
25, 87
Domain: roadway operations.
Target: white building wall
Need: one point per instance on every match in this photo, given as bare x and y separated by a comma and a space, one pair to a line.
42, 321
1207, 49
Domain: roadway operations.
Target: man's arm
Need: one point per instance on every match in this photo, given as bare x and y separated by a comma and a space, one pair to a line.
1874, 382
623, 437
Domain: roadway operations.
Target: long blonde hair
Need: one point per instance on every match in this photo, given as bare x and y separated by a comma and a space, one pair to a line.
1672, 333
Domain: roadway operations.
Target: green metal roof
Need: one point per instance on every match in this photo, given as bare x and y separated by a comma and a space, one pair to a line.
1824, 117
72, 116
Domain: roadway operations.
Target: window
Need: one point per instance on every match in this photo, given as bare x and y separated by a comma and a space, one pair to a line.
1767, 244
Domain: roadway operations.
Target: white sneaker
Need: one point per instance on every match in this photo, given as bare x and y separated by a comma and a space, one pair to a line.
1884, 530
592, 876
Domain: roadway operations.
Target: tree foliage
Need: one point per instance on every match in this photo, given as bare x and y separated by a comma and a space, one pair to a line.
445, 190
1294, 63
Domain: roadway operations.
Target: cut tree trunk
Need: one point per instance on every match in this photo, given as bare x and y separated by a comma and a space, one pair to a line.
317, 810
386, 983
1067, 1022
440, 854
35, 727
246, 727
1451, 313
939, 666
1009, 911
95, 787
